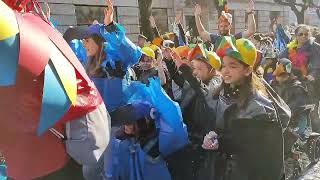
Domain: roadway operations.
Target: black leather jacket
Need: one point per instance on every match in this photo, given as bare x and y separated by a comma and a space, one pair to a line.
249, 129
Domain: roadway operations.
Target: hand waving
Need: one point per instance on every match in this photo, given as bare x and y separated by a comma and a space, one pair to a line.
108, 13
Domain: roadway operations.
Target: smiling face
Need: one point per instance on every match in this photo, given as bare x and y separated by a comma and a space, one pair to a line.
233, 72
303, 35
202, 70
129, 129
224, 28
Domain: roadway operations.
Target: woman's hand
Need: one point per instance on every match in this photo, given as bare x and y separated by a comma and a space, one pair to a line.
108, 13
210, 141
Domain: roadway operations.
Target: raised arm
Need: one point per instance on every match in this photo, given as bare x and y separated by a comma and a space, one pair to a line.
154, 27
201, 30
182, 34
251, 21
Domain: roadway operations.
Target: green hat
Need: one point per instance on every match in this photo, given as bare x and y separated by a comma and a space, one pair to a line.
241, 49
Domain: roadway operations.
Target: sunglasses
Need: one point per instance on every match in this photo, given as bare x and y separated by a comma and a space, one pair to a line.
303, 34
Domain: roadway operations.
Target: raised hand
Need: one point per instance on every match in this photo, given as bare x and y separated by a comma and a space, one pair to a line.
250, 6
178, 17
210, 141
197, 10
108, 13
152, 22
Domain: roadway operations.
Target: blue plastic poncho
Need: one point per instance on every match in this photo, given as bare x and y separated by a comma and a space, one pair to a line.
173, 134
78, 49
117, 92
111, 91
119, 47
129, 160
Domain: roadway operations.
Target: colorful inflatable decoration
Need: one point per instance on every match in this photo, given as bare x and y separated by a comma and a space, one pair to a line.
42, 84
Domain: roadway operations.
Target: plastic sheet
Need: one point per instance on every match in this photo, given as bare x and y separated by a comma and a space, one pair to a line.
173, 135
110, 91
9, 60
55, 102
119, 47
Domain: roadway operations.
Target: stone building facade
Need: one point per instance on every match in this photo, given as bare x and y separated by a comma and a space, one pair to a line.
82, 12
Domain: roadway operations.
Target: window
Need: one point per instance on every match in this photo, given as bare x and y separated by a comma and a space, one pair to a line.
87, 14
161, 18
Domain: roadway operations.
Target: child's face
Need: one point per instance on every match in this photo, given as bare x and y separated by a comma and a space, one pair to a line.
146, 63
129, 129
233, 71
201, 70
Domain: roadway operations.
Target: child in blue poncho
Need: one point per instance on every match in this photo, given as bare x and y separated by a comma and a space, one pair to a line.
136, 153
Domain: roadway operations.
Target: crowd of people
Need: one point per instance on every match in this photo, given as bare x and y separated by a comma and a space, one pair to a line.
239, 99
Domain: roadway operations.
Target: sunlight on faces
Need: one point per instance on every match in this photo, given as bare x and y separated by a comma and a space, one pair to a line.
146, 63
233, 72
303, 35
91, 46
224, 28
141, 42
202, 70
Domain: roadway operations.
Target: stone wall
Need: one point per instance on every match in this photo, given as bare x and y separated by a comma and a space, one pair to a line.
63, 12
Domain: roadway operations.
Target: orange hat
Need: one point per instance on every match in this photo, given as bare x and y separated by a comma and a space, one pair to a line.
183, 51
157, 41
197, 52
